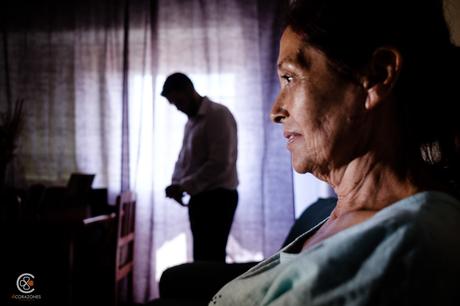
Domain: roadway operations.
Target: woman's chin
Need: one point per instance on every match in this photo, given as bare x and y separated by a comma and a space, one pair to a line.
299, 166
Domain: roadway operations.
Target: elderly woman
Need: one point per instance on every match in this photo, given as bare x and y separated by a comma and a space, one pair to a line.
368, 102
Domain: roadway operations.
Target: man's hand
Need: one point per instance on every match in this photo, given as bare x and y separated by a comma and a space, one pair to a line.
176, 192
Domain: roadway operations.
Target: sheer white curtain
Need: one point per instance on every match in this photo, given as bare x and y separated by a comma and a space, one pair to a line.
66, 61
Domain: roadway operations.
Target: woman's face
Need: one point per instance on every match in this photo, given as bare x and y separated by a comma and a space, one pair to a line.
320, 110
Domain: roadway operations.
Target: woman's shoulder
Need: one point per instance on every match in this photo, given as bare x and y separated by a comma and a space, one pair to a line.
425, 214
406, 250
417, 219
413, 244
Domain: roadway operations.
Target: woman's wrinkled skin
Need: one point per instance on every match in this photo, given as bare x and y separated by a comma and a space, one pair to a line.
342, 131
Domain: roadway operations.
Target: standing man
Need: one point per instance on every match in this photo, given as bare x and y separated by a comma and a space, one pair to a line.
206, 168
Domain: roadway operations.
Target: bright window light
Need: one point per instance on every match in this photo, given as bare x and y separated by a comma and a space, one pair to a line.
171, 253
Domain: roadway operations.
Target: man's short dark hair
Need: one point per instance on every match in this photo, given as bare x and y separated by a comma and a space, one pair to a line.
176, 82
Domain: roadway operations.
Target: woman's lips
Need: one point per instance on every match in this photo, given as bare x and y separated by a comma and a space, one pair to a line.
291, 136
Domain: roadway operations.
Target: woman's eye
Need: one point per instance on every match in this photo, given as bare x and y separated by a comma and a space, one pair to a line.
286, 78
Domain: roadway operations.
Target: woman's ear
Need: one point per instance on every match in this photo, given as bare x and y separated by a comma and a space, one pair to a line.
382, 74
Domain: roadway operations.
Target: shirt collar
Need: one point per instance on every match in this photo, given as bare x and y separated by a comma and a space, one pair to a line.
203, 110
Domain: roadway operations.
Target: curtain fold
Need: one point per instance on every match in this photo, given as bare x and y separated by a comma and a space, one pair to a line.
91, 73
276, 163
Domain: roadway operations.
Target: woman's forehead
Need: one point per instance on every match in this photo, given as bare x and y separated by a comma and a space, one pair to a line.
295, 50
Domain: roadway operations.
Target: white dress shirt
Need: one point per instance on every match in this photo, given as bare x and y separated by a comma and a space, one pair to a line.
209, 151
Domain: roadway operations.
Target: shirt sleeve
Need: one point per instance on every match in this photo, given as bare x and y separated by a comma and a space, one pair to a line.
178, 166
221, 139
176, 177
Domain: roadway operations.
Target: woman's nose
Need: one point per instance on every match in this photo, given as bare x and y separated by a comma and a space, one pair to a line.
278, 113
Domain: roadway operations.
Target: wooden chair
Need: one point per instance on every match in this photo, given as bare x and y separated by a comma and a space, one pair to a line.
126, 209
93, 261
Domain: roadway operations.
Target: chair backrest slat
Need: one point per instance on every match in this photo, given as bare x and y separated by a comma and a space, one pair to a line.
126, 210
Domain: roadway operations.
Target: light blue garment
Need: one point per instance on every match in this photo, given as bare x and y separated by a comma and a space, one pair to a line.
406, 254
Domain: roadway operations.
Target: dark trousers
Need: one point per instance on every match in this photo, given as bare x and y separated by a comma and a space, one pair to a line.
211, 216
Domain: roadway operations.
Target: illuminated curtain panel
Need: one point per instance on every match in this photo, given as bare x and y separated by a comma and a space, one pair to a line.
98, 60
142, 173
41, 71
64, 59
